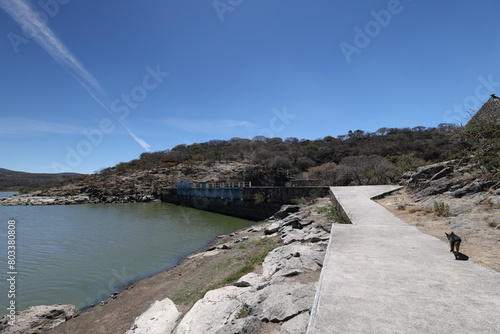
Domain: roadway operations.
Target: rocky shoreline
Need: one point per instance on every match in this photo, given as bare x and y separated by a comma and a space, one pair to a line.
34, 199
276, 297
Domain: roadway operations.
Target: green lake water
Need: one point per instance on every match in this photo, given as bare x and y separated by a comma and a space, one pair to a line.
80, 254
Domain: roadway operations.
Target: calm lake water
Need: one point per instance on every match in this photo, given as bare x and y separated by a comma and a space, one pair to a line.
7, 193
80, 254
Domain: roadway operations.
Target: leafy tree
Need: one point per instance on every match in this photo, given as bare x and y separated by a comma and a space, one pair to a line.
327, 173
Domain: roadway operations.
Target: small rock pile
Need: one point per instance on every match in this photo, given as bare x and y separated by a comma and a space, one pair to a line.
276, 300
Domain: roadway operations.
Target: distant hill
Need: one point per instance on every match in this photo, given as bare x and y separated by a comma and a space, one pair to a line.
12, 180
357, 158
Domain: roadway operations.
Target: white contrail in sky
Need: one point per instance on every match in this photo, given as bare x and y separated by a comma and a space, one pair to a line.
28, 19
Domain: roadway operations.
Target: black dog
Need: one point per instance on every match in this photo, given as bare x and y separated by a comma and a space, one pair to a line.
454, 243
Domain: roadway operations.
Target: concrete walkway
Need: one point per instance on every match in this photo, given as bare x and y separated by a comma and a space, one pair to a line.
381, 275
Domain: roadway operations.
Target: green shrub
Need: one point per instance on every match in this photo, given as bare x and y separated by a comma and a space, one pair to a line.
260, 198
298, 201
441, 209
334, 212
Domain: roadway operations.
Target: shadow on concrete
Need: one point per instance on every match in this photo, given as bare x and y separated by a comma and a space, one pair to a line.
462, 257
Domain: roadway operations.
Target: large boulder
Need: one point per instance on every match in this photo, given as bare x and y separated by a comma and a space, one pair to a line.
217, 309
435, 188
286, 210
272, 228
312, 232
159, 318
296, 325
81, 199
292, 259
473, 187
248, 325
37, 318
424, 174
285, 301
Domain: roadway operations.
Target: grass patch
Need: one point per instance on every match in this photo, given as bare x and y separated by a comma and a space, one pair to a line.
224, 269
299, 201
441, 209
333, 213
419, 210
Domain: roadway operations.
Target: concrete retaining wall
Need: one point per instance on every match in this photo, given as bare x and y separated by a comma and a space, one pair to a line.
238, 208
255, 203
226, 193
282, 195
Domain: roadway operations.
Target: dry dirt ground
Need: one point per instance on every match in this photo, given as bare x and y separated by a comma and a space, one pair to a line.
475, 218
187, 282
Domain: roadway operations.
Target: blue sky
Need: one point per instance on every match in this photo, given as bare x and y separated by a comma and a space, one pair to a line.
85, 84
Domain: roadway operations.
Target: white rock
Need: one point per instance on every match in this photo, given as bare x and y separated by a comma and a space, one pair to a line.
41, 316
217, 309
252, 278
159, 318
248, 325
294, 235
296, 325
272, 228
203, 254
293, 257
285, 301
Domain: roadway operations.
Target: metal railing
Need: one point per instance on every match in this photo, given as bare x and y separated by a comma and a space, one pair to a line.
207, 185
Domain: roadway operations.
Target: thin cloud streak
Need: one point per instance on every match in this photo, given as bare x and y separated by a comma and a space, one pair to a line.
27, 18
24, 126
141, 142
207, 126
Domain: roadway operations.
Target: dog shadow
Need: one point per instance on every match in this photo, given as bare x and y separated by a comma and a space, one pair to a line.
462, 257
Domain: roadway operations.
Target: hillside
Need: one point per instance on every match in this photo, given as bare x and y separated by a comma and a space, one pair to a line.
12, 180
356, 158
481, 135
